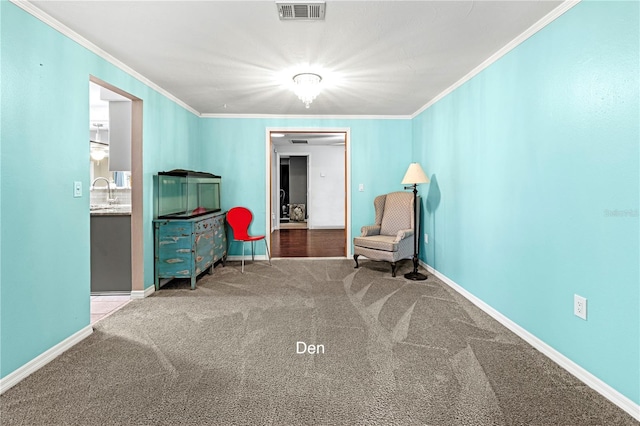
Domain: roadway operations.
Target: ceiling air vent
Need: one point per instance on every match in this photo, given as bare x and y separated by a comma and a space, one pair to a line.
308, 11
298, 141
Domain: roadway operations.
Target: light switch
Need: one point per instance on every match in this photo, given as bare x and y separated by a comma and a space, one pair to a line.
77, 189
361, 187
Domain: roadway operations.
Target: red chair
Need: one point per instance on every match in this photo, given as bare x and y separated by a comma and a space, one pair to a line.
239, 218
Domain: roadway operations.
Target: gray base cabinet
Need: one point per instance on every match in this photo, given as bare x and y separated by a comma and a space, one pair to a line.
110, 254
184, 248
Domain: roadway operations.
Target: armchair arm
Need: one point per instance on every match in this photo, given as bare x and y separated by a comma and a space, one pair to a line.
367, 231
402, 234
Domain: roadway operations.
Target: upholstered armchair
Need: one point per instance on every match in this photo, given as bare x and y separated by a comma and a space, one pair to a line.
391, 237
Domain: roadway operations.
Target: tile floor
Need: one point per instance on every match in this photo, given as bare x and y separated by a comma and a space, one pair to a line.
103, 306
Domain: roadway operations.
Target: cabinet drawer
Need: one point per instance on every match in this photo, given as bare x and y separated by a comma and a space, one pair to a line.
218, 222
204, 251
172, 243
204, 243
220, 237
175, 254
175, 229
203, 264
204, 225
174, 264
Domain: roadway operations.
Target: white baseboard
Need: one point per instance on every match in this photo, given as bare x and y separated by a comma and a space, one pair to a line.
110, 293
246, 258
43, 359
341, 227
141, 294
309, 258
585, 376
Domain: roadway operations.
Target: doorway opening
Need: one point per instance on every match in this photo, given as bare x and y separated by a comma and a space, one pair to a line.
308, 199
294, 191
115, 139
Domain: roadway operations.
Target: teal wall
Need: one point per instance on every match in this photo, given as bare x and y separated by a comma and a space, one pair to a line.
45, 275
529, 159
235, 149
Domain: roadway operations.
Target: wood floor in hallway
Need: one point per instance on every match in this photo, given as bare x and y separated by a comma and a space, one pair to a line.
308, 243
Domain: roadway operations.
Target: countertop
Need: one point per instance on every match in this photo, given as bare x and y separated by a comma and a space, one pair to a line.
111, 210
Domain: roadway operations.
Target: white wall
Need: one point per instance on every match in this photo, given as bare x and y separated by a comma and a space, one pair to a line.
326, 193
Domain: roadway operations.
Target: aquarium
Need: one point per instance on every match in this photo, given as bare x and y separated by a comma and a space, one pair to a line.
185, 193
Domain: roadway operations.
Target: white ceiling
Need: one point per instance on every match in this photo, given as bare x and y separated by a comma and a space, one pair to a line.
377, 58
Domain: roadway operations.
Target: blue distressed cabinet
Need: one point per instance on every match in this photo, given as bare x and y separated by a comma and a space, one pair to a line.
184, 248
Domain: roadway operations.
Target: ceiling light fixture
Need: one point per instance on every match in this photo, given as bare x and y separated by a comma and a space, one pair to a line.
98, 154
307, 87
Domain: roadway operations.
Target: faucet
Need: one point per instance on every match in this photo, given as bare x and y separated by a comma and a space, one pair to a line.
109, 199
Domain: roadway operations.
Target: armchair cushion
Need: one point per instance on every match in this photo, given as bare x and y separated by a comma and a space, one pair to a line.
397, 215
378, 242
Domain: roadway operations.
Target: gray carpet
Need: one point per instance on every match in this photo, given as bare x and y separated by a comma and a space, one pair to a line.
396, 353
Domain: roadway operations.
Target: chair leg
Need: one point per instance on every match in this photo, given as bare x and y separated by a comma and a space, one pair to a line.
267, 247
355, 257
253, 249
229, 249
243, 257
393, 269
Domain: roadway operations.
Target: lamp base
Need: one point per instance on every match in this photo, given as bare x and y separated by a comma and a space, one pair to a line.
415, 276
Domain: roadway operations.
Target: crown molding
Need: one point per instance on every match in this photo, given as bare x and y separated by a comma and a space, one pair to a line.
68, 32
546, 20
311, 117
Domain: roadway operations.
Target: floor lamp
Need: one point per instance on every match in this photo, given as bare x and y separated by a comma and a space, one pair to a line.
414, 176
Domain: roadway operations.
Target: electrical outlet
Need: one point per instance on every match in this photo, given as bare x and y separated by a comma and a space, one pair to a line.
426, 238
580, 306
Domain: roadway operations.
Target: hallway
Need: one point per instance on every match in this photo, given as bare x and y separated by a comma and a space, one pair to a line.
308, 243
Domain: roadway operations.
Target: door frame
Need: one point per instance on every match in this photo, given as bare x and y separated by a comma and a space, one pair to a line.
137, 234
269, 177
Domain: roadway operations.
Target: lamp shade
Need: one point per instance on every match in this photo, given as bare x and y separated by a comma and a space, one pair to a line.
415, 174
